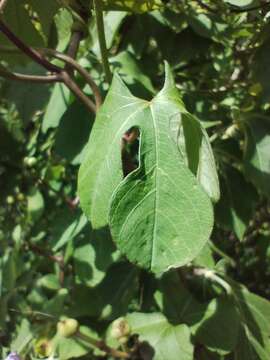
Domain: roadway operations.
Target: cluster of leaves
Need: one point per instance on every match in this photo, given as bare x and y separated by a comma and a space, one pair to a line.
175, 231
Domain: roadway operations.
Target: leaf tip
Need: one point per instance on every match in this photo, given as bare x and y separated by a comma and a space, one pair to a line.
169, 80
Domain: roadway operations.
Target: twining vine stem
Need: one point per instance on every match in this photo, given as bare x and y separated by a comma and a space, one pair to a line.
73, 48
102, 39
33, 54
29, 78
73, 64
59, 74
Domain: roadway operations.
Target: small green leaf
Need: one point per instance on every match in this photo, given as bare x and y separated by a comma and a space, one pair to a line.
50, 282
162, 340
257, 154
24, 336
63, 22
35, 204
67, 228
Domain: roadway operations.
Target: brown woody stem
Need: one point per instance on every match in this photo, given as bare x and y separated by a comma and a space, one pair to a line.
73, 48
42, 252
74, 88
29, 78
60, 75
72, 63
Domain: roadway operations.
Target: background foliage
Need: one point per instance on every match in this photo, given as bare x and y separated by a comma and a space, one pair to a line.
53, 264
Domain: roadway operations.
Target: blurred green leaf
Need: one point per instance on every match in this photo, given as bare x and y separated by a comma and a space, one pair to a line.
35, 204
57, 106
160, 339
70, 140
237, 204
257, 154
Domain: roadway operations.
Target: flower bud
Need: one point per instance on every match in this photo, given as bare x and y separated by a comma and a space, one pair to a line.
43, 347
30, 161
10, 200
120, 329
67, 327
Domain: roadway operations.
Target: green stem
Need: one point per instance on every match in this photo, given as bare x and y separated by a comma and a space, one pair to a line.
101, 345
102, 40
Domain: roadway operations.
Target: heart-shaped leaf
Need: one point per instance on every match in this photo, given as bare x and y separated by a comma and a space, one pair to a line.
160, 216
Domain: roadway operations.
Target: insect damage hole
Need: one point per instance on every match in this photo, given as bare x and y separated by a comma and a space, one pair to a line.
130, 150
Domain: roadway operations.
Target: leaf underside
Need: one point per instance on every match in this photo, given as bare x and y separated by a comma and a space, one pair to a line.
159, 215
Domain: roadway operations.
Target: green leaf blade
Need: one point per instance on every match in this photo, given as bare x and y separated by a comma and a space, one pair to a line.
256, 156
102, 165
160, 217
166, 340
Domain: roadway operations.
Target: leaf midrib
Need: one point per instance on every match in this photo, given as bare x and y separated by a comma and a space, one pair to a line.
156, 187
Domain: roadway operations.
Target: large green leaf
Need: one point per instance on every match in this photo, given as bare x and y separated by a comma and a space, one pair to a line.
166, 341
160, 217
253, 341
257, 153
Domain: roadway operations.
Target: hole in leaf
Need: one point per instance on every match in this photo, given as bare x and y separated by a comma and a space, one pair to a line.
130, 150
